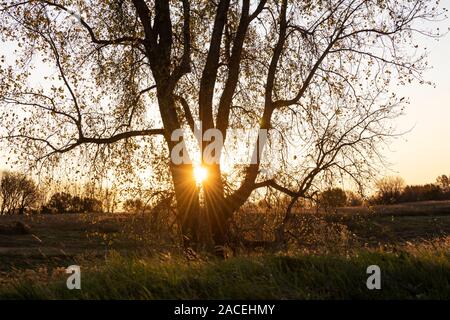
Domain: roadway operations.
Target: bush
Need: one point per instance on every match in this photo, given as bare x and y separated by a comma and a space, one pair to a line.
48, 210
333, 198
63, 202
92, 205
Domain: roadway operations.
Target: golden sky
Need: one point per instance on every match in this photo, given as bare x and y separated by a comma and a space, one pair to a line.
424, 153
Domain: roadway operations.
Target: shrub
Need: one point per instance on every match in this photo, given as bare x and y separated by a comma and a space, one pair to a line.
60, 201
333, 198
63, 202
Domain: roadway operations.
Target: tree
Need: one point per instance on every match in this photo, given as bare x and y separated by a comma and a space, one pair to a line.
110, 201
444, 182
92, 205
422, 193
18, 193
63, 202
60, 202
76, 204
389, 189
333, 198
313, 72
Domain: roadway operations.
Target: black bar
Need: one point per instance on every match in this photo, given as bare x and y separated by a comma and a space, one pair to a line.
222, 309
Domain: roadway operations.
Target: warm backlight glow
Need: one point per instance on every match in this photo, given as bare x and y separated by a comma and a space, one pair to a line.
200, 174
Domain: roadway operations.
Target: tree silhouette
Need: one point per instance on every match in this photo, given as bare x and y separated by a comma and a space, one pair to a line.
333, 198
444, 182
17, 192
390, 189
314, 74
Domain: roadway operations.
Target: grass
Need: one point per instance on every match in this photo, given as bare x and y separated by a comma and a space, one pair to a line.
121, 258
404, 276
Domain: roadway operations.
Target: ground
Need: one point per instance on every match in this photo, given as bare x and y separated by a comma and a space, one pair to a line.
411, 241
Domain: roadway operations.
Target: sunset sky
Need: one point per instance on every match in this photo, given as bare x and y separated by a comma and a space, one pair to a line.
424, 153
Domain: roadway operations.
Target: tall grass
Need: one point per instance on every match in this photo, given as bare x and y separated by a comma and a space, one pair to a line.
404, 276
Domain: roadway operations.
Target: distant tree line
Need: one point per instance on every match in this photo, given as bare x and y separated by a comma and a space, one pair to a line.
63, 202
19, 194
391, 190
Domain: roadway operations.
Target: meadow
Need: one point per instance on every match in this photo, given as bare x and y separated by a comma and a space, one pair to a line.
121, 258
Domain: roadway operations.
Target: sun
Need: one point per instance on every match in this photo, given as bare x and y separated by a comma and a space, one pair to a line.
200, 174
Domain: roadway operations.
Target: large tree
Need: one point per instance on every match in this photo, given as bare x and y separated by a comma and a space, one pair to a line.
314, 74
17, 193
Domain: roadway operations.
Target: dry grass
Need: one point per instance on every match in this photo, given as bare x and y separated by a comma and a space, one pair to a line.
88, 240
404, 276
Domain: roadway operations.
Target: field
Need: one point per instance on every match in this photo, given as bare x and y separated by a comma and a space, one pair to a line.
120, 258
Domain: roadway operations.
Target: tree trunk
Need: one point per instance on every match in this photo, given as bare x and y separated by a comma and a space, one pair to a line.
216, 222
186, 191
187, 197
219, 212
215, 205
188, 205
